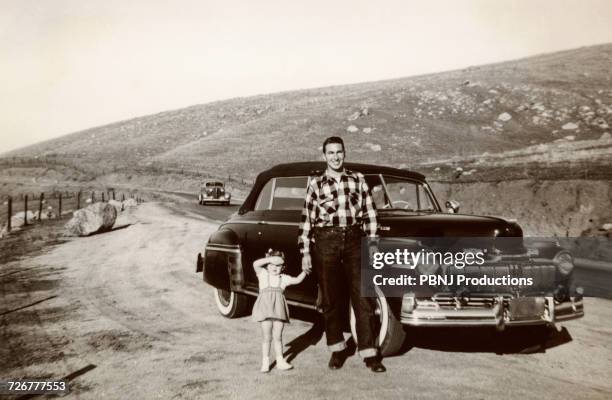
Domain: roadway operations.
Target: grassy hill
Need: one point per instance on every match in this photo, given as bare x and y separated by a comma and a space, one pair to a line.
402, 122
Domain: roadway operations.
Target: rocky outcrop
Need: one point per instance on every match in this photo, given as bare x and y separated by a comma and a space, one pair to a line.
98, 217
542, 208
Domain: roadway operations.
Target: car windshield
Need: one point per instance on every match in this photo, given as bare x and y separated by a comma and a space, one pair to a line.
397, 193
388, 192
213, 184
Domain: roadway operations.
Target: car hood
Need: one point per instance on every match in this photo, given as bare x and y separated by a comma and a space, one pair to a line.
403, 223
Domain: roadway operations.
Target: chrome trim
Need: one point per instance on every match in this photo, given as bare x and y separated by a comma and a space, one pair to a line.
384, 185
268, 223
432, 315
416, 182
272, 194
223, 247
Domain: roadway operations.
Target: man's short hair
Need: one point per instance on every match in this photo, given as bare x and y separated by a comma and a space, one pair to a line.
333, 139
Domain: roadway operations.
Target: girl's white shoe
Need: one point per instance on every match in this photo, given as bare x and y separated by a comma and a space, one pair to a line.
265, 365
282, 364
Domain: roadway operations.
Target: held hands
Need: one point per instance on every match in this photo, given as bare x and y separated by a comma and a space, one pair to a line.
306, 263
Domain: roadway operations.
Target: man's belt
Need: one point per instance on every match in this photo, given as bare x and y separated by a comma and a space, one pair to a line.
339, 229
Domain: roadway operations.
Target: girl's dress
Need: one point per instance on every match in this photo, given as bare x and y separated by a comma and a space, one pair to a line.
271, 302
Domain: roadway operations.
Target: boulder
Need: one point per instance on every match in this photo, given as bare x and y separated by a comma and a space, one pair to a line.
601, 123
504, 117
46, 214
373, 147
18, 220
127, 203
98, 217
354, 116
117, 204
570, 126
352, 129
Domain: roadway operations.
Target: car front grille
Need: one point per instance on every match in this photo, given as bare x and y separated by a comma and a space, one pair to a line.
543, 277
449, 300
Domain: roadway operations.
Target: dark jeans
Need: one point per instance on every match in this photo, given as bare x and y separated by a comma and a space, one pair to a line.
337, 262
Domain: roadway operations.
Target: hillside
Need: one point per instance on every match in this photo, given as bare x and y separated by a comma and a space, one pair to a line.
528, 139
402, 122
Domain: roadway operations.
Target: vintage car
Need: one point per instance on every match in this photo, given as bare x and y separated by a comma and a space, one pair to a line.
407, 208
214, 192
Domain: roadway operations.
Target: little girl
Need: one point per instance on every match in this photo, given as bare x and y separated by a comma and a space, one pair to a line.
270, 308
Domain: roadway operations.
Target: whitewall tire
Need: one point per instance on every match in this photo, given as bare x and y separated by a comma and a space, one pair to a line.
390, 332
231, 304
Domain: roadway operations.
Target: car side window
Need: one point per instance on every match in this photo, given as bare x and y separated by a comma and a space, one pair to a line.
404, 194
263, 201
377, 191
289, 193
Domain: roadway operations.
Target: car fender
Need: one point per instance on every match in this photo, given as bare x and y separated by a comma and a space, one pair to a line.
223, 261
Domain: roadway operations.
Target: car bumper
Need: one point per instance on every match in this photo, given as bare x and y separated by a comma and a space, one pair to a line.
213, 200
495, 312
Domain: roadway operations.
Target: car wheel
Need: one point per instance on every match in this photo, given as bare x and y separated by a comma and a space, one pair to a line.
231, 304
391, 334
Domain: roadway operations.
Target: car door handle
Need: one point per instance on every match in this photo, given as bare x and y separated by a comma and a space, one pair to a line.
262, 223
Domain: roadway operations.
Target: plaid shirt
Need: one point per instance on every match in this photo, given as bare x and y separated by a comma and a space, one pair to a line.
332, 203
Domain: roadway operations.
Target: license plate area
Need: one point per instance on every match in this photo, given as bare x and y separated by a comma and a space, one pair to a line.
522, 308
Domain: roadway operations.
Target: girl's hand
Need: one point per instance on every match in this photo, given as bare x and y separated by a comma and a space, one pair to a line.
275, 260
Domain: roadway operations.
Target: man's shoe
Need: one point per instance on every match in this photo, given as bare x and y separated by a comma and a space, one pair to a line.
336, 361
374, 364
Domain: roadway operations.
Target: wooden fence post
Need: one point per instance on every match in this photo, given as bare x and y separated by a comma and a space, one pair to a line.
59, 214
113, 195
40, 203
93, 197
102, 197
10, 213
78, 200
25, 209
122, 196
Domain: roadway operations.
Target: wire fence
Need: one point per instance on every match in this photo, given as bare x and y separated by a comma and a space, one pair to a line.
26, 209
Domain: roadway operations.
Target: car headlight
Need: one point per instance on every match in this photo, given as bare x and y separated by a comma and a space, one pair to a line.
564, 262
226, 196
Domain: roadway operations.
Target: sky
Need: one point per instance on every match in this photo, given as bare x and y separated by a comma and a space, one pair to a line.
68, 65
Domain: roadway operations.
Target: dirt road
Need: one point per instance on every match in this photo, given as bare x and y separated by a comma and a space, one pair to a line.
127, 313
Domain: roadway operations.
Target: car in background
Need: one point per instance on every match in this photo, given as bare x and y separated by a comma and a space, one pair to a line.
408, 210
214, 192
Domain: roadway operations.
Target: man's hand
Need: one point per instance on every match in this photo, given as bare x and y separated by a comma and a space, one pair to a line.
306, 263
373, 249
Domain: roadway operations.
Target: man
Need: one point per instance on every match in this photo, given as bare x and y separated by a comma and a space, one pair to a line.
337, 209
